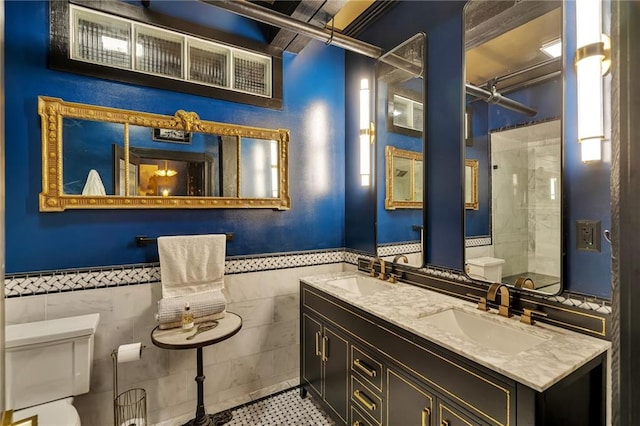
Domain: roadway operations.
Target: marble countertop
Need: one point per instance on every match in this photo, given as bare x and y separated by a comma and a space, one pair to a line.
560, 353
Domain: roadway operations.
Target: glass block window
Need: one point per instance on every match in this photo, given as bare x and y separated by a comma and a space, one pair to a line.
113, 41
159, 52
407, 113
100, 38
252, 73
209, 63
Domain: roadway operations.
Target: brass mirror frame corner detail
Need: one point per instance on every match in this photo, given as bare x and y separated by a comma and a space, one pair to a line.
390, 153
473, 204
53, 199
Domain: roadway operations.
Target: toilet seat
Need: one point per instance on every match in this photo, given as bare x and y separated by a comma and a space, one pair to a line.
56, 413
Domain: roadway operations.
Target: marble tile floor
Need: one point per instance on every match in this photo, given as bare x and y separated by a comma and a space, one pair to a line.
285, 408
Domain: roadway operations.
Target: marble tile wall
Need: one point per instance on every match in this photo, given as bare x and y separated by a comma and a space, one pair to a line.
544, 215
262, 355
509, 204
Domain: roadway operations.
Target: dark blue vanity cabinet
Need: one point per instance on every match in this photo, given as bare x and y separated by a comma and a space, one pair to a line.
366, 371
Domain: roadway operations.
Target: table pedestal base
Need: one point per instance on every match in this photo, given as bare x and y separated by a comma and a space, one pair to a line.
202, 418
211, 419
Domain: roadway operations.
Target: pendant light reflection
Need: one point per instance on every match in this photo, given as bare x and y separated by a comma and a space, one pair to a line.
166, 172
592, 62
366, 133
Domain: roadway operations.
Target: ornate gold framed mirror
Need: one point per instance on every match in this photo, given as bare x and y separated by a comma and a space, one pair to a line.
403, 179
471, 185
96, 157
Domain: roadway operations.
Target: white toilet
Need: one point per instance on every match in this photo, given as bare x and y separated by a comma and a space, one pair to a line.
47, 363
485, 268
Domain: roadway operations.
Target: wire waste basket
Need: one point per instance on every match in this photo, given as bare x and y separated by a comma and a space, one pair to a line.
130, 406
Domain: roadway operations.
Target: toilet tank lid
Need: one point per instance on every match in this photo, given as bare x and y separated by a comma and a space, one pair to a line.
485, 261
46, 331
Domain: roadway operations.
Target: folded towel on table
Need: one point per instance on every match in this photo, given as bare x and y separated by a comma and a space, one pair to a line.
177, 324
170, 309
191, 263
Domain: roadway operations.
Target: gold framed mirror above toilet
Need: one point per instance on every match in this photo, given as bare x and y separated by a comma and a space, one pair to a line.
96, 157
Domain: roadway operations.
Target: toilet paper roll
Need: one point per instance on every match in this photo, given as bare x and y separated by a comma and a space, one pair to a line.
129, 352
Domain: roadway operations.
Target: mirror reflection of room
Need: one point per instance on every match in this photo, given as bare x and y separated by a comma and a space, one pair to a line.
513, 134
400, 118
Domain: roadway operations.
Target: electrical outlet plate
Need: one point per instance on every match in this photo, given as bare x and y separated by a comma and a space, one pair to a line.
588, 235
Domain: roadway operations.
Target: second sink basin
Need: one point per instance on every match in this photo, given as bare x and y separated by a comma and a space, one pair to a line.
360, 285
483, 331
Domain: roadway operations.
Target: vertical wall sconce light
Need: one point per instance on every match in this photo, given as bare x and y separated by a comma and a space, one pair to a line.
366, 133
592, 62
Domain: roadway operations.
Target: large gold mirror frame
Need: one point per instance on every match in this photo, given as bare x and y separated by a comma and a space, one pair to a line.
53, 197
403, 179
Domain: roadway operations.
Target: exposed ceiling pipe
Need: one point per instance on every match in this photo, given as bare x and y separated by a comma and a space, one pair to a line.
268, 16
494, 97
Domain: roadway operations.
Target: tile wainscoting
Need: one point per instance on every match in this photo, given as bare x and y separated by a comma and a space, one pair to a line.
260, 358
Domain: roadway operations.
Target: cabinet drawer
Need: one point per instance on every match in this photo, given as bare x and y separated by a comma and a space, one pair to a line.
358, 419
366, 367
367, 400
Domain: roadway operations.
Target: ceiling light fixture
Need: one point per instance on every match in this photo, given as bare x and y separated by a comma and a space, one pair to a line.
552, 49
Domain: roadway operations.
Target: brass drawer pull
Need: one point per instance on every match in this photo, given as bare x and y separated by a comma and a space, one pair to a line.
364, 368
325, 348
444, 422
317, 344
364, 400
357, 423
426, 415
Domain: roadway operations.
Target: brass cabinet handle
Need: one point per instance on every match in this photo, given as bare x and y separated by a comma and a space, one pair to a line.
426, 415
356, 423
444, 422
364, 368
317, 344
364, 400
325, 348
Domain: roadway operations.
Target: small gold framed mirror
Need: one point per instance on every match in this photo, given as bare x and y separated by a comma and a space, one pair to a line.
404, 177
471, 185
96, 157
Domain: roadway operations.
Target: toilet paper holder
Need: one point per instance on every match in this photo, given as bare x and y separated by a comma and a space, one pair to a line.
130, 406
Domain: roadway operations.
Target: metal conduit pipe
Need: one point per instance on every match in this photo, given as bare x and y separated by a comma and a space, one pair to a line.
267, 16
494, 97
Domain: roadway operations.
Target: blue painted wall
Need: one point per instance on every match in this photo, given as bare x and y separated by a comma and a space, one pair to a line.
478, 222
313, 110
442, 22
587, 192
359, 200
586, 186
393, 225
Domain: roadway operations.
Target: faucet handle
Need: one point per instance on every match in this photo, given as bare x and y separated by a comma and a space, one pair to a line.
527, 316
482, 302
393, 278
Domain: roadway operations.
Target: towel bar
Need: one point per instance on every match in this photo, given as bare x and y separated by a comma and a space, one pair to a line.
143, 241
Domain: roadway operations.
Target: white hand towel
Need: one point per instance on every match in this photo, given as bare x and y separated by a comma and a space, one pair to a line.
191, 263
93, 185
202, 304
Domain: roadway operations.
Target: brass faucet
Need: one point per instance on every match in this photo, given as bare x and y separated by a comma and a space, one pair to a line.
505, 303
393, 277
527, 316
372, 271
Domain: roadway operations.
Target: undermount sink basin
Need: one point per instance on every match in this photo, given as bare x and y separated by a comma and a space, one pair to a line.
483, 331
360, 285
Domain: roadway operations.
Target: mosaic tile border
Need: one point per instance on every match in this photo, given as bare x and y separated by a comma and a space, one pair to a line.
44, 282
399, 248
477, 242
